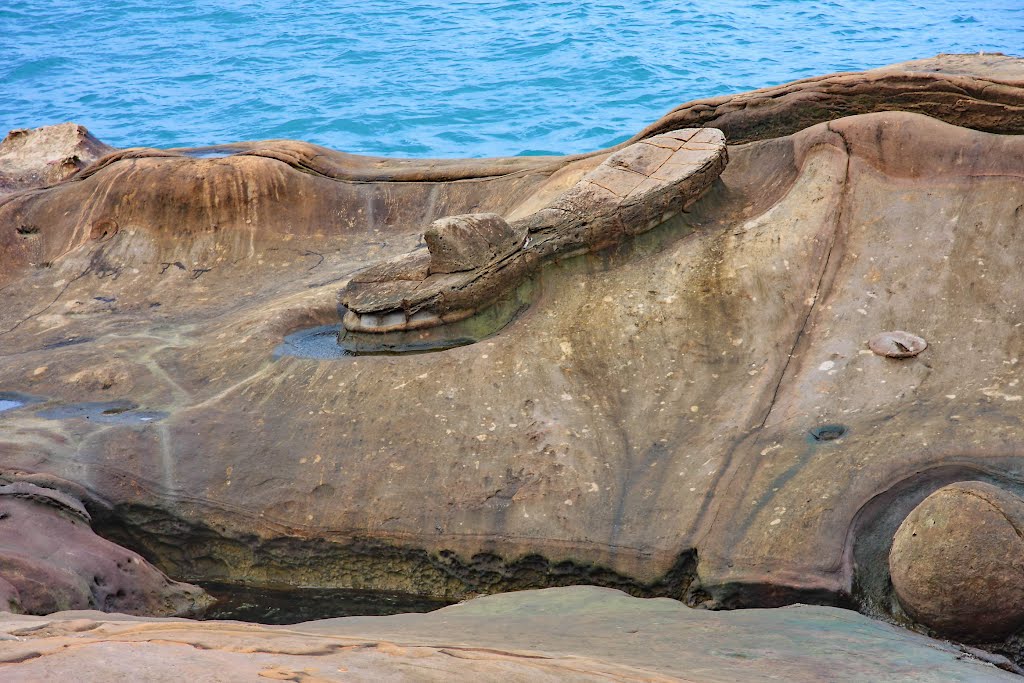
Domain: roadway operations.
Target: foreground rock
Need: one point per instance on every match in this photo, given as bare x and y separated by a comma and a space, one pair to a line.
957, 562
50, 560
569, 634
693, 412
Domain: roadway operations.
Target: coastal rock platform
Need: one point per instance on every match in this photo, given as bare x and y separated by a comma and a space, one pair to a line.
691, 411
558, 634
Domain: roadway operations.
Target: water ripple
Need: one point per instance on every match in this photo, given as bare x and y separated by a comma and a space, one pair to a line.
442, 78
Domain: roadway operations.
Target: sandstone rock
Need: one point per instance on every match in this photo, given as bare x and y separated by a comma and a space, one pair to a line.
645, 424
458, 243
563, 634
43, 156
632, 191
897, 344
957, 562
51, 560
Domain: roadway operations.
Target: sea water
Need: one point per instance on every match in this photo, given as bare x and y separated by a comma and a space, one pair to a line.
442, 77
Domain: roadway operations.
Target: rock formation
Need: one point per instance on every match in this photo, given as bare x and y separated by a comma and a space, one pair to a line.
957, 562
559, 634
50, 560
693, 411
470, 261
47, 155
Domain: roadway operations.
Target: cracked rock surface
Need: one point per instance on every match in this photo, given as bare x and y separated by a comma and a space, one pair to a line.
632, 191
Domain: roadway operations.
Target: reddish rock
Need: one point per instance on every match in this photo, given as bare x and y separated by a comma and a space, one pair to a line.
51, 560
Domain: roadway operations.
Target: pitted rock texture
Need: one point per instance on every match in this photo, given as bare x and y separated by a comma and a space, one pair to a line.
654, 402
563, 634
957, 562
634, 190
51, 560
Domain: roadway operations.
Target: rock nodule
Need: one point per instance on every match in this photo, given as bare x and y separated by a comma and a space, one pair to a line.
957, 562
897, 344
459, 243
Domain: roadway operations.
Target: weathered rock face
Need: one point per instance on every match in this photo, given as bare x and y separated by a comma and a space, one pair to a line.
647, 423
458, 243
565, 634
974, 91
957, 562
50, 560
474, 261
47, 155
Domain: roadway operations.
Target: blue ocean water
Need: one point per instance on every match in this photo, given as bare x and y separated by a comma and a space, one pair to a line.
442, 77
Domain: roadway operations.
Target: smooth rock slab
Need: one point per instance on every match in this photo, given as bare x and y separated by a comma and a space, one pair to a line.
561, 634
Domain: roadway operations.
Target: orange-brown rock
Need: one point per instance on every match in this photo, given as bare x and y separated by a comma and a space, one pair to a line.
646, 423
957, 562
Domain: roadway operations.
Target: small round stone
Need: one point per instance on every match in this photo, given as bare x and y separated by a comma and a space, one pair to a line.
897, 344
957, 562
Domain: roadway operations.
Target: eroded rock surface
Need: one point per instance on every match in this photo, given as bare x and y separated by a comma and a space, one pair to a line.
472, 261
569, 634
50, 560
647, 423
47, 155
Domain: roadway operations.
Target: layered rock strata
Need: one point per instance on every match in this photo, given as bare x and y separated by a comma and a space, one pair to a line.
470, 261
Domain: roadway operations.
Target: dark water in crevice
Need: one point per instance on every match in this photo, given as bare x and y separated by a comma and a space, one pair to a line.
293, 605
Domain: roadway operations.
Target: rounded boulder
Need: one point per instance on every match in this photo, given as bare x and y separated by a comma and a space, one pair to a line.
957, 562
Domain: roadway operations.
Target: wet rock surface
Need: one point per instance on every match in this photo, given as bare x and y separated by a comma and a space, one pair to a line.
648, 422
50, 560
565, 634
